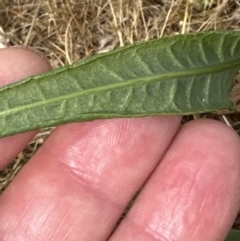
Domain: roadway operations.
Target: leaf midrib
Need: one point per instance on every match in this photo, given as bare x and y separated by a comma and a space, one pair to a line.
133, 82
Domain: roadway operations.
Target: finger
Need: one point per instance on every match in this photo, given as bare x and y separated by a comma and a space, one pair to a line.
17, 64
194, 193
80, 181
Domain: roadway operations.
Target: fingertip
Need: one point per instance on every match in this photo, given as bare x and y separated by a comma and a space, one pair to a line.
211, 126
218, 136
19, 63
214, 148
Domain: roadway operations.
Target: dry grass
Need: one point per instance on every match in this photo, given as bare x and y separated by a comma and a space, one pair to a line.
66, 31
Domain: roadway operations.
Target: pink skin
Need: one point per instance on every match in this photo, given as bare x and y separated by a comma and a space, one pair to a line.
80, 181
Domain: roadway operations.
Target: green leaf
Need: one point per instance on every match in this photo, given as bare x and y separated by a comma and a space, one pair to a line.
234, 235
177, 75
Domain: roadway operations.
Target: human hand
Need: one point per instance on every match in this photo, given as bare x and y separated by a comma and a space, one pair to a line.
80, 181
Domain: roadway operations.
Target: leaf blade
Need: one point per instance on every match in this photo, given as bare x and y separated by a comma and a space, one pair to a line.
149, 78
234, 235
